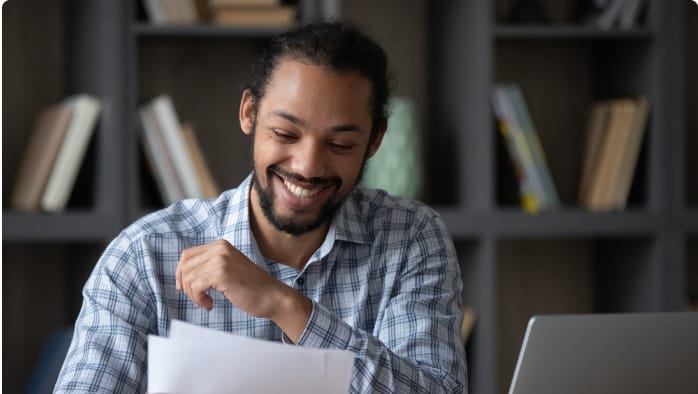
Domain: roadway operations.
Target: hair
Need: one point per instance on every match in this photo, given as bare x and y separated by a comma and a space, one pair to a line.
340, 47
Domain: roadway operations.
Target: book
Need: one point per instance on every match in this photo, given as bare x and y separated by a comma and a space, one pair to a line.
612, 153
622, 114
39, 156
161, 12
156, 12
183, 11
209, 186
254, 16
168, 122
596, 127
537, 190
159, 159
535, 146
530, 190
85, 110
605, 174
630, 152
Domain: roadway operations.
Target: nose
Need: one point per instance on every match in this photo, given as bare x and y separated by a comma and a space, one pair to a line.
310, 160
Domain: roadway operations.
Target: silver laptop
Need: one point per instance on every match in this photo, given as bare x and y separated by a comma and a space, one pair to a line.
609, 353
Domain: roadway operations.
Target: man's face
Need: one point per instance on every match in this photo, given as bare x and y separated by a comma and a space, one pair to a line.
311, 139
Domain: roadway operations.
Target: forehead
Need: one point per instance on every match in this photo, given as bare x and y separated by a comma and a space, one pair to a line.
302, 86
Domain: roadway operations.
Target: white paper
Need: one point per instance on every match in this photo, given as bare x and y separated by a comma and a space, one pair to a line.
201, 360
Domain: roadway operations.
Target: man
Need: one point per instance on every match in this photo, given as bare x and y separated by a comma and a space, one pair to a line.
298, 252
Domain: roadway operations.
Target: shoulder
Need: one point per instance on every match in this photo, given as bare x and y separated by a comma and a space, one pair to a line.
190, 217
378, 212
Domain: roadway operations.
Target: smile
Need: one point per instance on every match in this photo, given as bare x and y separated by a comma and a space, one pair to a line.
301, 192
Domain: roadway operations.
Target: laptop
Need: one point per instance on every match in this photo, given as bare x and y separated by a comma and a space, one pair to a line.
609, 353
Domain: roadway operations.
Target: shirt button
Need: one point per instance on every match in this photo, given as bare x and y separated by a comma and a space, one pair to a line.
300, 281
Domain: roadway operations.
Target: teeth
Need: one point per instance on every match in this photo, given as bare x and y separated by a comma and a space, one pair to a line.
299, 191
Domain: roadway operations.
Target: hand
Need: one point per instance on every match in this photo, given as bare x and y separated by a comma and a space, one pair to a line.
221, 267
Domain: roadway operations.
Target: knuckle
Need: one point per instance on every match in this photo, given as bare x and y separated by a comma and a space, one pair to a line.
186, 254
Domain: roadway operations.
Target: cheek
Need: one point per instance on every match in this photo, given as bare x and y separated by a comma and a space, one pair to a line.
264, 153
349, 169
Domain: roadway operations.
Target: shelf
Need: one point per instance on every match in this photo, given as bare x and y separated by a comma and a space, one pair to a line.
567, 223
557, 32
204, 30
65, 227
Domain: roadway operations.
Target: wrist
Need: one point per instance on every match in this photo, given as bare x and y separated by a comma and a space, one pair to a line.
291, 312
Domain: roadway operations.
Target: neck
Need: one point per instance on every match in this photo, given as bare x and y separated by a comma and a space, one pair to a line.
280, 246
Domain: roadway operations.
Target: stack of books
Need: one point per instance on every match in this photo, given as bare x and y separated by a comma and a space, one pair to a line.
266, 13
536, 186
54, 154
174, 154
614, 136
242, 13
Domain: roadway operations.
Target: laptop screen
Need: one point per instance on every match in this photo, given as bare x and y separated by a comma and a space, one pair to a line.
609, 353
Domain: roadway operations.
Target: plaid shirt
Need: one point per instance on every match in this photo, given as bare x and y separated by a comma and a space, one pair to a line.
385, 285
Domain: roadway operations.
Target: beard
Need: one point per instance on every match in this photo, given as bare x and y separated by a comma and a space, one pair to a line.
291, 225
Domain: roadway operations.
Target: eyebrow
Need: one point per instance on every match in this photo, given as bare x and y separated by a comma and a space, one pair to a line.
300, 122
289, 117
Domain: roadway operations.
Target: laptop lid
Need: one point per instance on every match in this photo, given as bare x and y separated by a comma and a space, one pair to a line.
609, 353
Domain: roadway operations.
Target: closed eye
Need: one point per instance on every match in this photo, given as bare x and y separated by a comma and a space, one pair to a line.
342, 148
283, 136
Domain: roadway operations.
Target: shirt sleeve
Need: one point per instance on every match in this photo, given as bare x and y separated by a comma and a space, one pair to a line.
108, 350
418, 346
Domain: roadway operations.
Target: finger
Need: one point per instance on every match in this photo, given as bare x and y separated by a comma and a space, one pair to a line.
189, 256
197, 290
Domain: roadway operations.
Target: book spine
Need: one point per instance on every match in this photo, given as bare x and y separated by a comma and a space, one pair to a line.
39, 157
631, 152
595, 135
535, 147
600, 195
156, 12
169, 125
159, 158
530, 193
71, 154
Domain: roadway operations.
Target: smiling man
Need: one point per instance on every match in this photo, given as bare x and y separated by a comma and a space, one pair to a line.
296, 253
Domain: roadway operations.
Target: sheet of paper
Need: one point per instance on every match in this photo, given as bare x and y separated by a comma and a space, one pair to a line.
201, 360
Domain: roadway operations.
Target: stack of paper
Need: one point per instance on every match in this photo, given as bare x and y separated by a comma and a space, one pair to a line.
201, 360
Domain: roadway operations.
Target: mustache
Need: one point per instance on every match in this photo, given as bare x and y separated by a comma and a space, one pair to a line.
316, 181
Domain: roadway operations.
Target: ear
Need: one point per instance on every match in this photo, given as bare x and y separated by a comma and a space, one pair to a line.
247, 112
377, 138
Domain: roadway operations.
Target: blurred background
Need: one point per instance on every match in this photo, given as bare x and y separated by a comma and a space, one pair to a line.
526, 247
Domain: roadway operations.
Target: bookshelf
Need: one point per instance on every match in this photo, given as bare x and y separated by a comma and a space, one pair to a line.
446, 55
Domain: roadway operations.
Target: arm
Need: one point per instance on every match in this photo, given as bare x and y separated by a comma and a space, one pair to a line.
220, 266
108, 350
417, 345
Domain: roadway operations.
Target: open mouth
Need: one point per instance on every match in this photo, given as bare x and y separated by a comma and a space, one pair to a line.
301, 187
301, 192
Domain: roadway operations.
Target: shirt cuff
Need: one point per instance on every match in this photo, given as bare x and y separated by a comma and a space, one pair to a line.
325, 330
